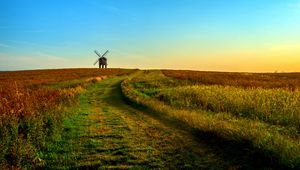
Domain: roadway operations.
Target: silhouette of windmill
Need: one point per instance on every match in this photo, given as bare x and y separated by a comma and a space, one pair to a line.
102, 60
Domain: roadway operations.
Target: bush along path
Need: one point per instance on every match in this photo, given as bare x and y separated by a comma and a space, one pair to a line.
106, 132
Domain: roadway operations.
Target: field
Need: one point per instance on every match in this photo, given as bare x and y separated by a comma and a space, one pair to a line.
248, 80
157, 119
260, 111
32, 105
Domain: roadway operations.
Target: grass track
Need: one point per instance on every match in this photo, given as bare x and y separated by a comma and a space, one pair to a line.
108, 133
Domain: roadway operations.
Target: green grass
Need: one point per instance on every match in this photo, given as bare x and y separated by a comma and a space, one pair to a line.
105, 132
271, 140
150, 121
32, 107
275, 106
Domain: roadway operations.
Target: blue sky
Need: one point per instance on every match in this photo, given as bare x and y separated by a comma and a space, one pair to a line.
235, 35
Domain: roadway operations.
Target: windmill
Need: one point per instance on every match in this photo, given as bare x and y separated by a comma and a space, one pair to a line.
102, 60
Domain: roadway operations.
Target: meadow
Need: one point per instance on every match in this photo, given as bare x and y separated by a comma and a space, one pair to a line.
261, 111
289, 81
33, 105
151, 119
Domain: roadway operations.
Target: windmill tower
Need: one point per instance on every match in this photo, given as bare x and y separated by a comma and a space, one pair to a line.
102, 60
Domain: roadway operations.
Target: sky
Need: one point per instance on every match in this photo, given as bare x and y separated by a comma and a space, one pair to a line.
210, 35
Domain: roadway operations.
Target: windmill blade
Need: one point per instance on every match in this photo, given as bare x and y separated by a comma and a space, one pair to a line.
96, 62
97, 53
105, 53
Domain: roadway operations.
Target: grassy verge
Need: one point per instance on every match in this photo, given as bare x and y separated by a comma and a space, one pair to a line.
274, 106
269, 141
24, 136
33, 107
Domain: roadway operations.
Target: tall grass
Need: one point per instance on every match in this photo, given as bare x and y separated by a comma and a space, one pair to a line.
182, 103
28, 119
276, 106
32, 108
247, 80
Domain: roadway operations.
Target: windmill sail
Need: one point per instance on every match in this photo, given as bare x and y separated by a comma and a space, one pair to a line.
105, 53
97, 53
96, 61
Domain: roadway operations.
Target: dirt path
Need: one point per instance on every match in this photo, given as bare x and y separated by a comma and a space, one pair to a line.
109, 133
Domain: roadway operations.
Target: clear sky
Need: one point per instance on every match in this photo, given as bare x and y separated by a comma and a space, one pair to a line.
222, 35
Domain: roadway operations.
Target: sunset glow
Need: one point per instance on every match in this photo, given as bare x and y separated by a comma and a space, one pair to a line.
215, 35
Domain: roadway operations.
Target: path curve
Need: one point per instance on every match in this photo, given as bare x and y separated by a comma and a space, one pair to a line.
107, 132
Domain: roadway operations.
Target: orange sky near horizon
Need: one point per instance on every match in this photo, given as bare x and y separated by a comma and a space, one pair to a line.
210, 35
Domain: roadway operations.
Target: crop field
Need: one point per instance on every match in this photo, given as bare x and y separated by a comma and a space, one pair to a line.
32, 105
248, 80
149, 119
261, 111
